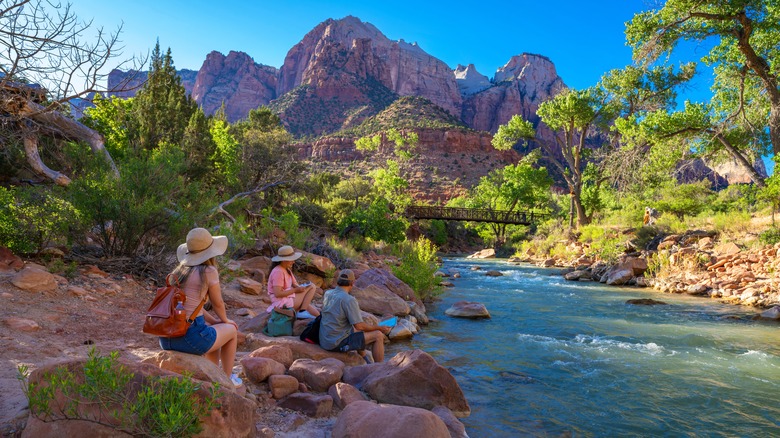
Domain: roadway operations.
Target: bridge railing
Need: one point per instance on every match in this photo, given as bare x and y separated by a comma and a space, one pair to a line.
474, 214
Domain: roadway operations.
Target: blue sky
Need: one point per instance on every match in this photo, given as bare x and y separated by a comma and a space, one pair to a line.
584, 39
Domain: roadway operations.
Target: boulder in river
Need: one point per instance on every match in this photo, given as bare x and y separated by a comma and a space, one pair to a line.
468, 309
644, 302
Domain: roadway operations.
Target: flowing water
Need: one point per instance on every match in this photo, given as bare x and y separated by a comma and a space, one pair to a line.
565, 357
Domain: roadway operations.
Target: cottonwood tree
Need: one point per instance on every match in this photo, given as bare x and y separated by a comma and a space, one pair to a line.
48, 57
573, 116
743, 117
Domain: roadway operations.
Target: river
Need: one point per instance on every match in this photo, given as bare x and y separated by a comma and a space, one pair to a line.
562, 357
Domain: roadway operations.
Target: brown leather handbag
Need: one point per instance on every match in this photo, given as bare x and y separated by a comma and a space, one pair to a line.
162, 318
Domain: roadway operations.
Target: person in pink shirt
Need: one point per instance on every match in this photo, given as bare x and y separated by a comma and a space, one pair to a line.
284, 289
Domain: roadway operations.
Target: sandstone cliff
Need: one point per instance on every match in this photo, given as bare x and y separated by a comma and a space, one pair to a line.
518, 88
235, 80
448, 162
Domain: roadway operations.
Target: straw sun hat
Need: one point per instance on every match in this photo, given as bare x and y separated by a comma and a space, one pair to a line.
200, 246
286, 253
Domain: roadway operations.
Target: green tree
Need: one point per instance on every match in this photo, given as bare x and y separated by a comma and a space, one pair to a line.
685, 199
198, 146
519, 187
744, 59
162, 106
572, 115
771, 192
227, 155
391, 185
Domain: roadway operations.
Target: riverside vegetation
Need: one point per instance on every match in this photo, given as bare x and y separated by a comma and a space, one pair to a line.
178, 166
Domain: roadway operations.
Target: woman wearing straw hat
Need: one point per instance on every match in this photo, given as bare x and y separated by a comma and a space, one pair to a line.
284, 289
209, 336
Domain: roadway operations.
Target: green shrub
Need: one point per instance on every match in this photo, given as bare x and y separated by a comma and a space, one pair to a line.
770, 236
418, 264
152, 204
160, 407
32, 218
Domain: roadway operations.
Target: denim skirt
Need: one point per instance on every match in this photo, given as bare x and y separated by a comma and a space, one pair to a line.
198, 340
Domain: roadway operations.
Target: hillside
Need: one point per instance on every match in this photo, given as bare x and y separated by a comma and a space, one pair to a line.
408, 112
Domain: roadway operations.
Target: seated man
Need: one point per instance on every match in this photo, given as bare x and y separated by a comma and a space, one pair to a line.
342, 327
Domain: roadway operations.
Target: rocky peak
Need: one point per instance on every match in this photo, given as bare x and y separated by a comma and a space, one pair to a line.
341, 51
237, 81
469, 80
530, 71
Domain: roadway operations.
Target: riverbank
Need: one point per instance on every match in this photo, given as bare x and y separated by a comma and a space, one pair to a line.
691, 263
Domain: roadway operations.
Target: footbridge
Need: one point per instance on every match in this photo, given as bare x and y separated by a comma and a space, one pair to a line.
474, 215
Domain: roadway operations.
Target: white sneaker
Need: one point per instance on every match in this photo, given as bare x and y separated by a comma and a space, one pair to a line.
304, 314
236, 380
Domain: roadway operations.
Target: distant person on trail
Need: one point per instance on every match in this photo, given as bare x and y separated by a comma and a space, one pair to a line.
284, 289
342, 327
216, 338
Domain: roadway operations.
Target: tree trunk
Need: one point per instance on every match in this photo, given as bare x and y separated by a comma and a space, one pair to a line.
58, 124
737, 155
34, 158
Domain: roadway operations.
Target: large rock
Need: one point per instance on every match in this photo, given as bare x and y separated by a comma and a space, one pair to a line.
412, 378
380, 300
33, 279
366, 419
279, 353
488, 253
316, 264
456, 428
282, 385
9, 261
383, 278
258, 369
300, 349
318, 375
200, 367
21, 324
344, 394
250, 287
619, 275
232, 415
313, 405
467, 309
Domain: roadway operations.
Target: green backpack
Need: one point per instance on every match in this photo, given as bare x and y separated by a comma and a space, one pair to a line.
281, 322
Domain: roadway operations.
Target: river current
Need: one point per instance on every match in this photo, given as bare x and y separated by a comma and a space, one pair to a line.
562, 357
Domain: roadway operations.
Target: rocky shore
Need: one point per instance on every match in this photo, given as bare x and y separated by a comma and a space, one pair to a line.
691, 263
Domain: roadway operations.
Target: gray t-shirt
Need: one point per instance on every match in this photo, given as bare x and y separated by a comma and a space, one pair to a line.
340, 311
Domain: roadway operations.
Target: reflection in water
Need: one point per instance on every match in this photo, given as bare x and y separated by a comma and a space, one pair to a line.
559, 357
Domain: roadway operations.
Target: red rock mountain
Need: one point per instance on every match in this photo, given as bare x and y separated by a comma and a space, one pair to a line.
235, 80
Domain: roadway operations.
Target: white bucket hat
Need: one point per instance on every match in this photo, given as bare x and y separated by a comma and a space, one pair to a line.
286, 253
200, 246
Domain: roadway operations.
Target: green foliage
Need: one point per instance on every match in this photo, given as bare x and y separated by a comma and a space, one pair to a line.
160, 407
162, 108
405, 143
239, 234
771, 193
736, 197
743, 57
369, 143
227, 154
67, 270
604, 243
296, 235
437, 232
31, 219
391, 185
685, 199
375, 222
112, 117
514, 130
150, 205
417, 266
770, 236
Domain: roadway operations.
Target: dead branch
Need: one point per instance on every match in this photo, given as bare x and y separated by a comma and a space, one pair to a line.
221, 207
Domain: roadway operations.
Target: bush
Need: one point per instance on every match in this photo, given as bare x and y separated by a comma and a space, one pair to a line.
418, 264
152, 204
770, 236
161, 407
33, 218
